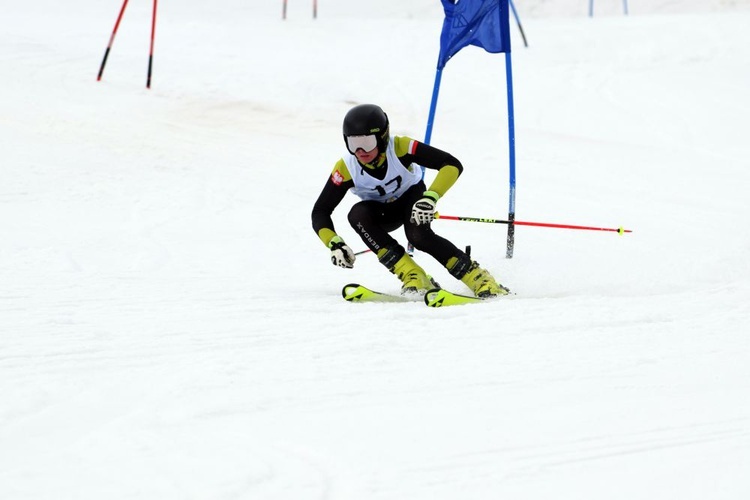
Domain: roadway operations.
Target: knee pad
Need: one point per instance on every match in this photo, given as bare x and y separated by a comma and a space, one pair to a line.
460, 267
391, 255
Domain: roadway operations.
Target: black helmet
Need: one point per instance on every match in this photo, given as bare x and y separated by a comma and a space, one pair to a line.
367, 119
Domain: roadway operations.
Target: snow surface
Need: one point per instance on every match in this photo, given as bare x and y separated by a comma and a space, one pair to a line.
171, 327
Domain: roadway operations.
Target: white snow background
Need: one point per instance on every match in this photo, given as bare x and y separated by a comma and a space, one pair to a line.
172, 328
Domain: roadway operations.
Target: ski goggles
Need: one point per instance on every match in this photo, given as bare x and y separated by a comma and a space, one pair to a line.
364, 142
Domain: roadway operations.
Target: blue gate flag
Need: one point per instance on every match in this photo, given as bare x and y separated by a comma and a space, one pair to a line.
483, 23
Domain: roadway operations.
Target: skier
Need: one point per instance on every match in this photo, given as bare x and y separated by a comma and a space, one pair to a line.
381, 170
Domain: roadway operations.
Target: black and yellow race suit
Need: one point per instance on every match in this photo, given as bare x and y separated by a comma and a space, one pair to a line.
385, 207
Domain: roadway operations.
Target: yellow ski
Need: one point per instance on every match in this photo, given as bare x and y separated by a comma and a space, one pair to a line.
437, 297
355, 292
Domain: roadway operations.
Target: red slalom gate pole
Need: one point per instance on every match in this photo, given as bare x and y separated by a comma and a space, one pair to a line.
618, 230
111, 40
151, 50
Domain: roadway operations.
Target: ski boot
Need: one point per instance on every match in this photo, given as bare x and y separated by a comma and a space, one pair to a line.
479, 280
413, 278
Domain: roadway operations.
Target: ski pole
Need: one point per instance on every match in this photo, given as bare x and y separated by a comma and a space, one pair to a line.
111, 40
619, 230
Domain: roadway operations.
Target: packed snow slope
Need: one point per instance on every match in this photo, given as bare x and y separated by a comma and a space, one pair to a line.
171, 328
